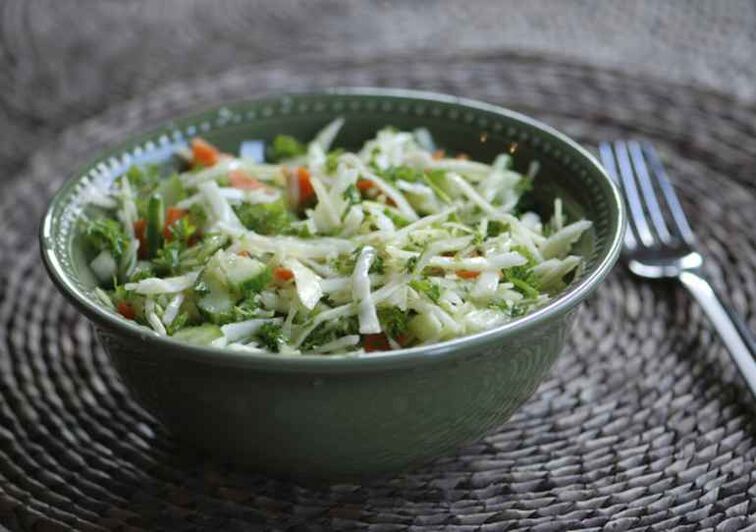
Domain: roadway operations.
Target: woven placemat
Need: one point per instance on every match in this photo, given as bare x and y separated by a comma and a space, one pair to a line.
642, 425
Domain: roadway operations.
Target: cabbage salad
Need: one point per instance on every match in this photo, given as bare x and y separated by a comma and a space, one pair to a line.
318, 250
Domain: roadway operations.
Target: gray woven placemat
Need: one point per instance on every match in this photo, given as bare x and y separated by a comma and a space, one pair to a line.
642, 425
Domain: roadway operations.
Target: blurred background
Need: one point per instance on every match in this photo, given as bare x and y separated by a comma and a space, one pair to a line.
61, 64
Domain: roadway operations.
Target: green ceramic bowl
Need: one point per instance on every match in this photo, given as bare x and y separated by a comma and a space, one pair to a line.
342, 417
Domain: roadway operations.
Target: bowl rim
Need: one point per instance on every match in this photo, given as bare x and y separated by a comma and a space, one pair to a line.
408, 357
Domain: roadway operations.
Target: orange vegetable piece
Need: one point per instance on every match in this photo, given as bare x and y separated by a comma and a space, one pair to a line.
242, 180
283, 274
140, 232
467, 274
204, 153
172, 215
300, 189
363, 185
126, 310
306, 192
439, 154
375, 342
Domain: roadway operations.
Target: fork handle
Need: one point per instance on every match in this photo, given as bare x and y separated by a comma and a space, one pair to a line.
733, 330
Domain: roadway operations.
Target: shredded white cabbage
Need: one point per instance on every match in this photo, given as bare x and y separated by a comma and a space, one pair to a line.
233, 332
292, 246
479, 264
560, 243
152, 317
327, 135
220, 169
336, 252
361, 290
219, 206
172, 310
235, 195
486, 285
308, 283
394, 195
167, 285
340, 344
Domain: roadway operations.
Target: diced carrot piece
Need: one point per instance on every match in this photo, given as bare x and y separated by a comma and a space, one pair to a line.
172, 215
140, 232
242, 180
439, 154
244, 253
467, 274
126, 310
300, 189
363, 185
375, 342
402, 339
283, 274
204, 153
306, 192
140, 226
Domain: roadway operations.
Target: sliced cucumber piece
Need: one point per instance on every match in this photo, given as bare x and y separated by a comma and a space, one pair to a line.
104, 267
227, 278
217, 306
214, 273
200, 335
238, 273
426, 327
218, 299
244, 273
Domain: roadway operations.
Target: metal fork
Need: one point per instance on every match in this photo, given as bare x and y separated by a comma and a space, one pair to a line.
659, 243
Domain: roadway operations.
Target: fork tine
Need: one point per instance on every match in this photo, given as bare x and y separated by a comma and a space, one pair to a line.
647, 190
678, 214
638, 217
610, 164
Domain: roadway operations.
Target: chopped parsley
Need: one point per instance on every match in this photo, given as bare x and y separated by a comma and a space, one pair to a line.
427, 287
352, 195
265, 218
332, 160
285, 147
107, 234
246, 309
331, 331
271, 336
394, 321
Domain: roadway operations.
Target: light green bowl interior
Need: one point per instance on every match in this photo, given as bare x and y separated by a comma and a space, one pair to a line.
479, 130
